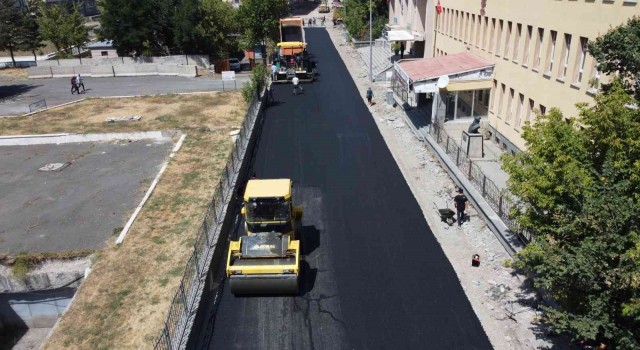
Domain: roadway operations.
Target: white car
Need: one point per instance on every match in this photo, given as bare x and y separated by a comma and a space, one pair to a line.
234, 64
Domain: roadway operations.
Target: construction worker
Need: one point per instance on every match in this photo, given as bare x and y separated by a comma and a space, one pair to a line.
296, 85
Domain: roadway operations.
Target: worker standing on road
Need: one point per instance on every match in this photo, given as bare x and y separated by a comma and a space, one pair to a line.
369, 96
296, 85
274, 71
460, 202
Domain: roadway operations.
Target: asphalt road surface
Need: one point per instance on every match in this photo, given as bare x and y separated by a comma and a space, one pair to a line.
376, 277
15, 96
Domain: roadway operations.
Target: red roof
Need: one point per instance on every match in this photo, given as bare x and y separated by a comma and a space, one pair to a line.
431, 68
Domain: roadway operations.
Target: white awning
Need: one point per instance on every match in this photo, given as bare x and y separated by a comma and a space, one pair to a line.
399, 35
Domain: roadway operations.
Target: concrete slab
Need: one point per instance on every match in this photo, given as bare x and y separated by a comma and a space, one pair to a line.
80, 206
39, 72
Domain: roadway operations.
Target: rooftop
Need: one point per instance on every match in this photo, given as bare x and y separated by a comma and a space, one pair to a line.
268, 188
433, 68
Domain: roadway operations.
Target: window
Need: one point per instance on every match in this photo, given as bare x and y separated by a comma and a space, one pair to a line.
527, 46
551, 51
519, 110
484, 33
492, 34
494, 92
530, 112
594, 82
456, 28
543, 110
507, 39
469, 28
516, 43
565, 56
104, 53
463, 27
502, 90
510, 106
578, 69
478, 29
537, 56
499, 36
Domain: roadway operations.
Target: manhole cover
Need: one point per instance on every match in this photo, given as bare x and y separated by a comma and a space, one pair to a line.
55, 166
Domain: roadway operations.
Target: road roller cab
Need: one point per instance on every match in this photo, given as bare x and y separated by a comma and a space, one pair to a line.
266, 260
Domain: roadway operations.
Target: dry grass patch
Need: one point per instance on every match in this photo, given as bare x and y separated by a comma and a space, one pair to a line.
124, 301
9, 74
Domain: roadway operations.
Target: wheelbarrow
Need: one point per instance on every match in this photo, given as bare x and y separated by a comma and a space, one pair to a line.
446, 215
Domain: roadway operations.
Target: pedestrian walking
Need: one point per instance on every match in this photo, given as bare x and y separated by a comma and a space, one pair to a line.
460, 203
314, 21
296, 85
74, 85
79, 83
369, 96
309, 22
271, 98
274, 71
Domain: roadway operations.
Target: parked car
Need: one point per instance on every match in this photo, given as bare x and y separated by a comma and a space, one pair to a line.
234, 64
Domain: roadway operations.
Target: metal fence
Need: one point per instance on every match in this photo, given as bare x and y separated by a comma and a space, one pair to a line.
500, 200
185, 301
38, 105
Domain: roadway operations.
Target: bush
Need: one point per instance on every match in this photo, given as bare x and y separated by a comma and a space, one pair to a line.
256, 84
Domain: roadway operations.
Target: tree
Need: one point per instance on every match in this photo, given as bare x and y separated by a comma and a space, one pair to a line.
617, 52
140, 27
63, 26
11, 31
356, 18
31, 40
579, 189
261, 20
217, 28
188, 15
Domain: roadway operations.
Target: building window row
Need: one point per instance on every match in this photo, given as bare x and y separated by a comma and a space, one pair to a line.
542, 50
512, 106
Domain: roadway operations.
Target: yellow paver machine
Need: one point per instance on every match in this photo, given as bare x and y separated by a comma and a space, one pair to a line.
267, 259
292, 58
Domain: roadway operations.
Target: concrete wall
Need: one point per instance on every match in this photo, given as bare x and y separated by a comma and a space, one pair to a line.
62, 72
97, 53
39, 72
39, 309
197, 60
518, 67
102, 71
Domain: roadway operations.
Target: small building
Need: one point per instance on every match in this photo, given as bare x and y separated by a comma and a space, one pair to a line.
446, 87
102, 49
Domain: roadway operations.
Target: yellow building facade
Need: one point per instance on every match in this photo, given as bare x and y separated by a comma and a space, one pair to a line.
538, 48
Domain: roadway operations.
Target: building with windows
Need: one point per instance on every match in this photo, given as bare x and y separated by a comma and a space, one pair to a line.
538, 49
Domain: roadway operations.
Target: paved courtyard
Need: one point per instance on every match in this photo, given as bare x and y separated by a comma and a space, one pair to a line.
15, 96
80, 206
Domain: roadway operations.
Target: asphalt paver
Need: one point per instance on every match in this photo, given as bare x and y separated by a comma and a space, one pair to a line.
375, 275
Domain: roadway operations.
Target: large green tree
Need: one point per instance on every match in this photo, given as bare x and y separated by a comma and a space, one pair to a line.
139, 27
32, 39
217, 29
62, 25
356, 17
579, 187
618, 51
11, 30
261, 20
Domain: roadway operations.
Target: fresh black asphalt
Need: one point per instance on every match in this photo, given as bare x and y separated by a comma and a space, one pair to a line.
376, 278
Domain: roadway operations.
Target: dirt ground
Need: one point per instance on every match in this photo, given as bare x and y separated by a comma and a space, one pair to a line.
123, 302
11, 74
502, 299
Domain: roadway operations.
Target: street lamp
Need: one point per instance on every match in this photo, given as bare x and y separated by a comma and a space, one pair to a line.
370, 43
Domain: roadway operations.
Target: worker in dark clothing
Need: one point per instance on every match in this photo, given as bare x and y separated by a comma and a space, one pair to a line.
460, 202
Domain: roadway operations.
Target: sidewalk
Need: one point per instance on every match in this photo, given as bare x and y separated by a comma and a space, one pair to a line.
502, 300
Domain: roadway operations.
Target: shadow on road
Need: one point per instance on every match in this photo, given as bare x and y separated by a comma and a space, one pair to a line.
310, 237
303, 8
13, 92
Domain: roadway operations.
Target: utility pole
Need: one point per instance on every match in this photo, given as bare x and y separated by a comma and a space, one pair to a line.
370, 43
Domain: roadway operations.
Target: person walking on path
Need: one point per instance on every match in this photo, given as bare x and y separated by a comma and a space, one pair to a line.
460, 203
79, 83
74, 85
274, 71
369, 96
270, 90
296, 85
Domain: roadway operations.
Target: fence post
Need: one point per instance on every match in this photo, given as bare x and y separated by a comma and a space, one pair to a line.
470, 166
458, 157
500, 206
484, 182
195, 257
446, 149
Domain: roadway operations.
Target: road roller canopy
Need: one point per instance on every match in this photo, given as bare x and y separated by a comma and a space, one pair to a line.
265, 245
271, 188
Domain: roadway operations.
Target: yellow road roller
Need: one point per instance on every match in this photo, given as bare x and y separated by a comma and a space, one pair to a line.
266, 260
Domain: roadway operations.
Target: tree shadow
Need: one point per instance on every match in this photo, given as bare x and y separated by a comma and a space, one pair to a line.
13, 92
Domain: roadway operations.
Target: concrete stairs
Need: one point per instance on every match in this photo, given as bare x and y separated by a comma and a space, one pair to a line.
381, 60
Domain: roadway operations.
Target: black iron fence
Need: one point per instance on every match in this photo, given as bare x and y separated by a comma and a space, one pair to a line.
500, 199
185, 301
38, 105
